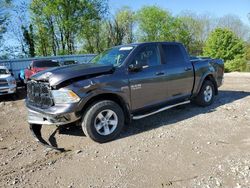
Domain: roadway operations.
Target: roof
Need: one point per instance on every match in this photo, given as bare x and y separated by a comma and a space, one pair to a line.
142, 43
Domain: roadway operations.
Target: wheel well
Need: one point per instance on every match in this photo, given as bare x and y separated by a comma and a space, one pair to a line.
111, 97
211, 78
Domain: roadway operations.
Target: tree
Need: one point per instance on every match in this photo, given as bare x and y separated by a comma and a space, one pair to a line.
62, 21
154, 24
3, 16
28, 36
108, 32
234, 23
223, 43
199, 27
125, 17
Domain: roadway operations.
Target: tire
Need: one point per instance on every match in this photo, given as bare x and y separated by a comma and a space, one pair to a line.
103, 121
206, 94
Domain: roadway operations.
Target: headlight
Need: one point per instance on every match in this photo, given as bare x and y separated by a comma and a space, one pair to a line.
12, 82
64, 96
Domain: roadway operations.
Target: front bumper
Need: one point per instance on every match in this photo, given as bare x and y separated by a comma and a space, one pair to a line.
8, 90
35, 117
54, 115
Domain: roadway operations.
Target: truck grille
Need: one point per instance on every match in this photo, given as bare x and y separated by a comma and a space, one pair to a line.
3, 83
39, 95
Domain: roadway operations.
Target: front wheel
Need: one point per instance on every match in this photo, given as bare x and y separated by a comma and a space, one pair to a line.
206, 94
103, 121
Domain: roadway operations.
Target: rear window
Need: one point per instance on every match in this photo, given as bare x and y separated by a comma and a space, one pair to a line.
173, 54
45, 64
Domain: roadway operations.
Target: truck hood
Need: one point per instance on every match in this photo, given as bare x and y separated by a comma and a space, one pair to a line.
58, 75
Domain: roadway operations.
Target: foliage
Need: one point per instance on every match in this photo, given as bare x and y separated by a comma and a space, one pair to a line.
235, 24
3, 16
248, 52
125, 18
238, 64
109, 32
154, 24
223, 43
60, 22
28, 36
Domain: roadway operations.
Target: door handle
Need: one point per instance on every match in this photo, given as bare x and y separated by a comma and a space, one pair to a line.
188, 68
159, 73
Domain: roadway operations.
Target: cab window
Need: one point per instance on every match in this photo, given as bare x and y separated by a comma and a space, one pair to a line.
148, 55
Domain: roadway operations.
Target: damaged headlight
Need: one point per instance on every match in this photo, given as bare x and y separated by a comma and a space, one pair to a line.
64, 96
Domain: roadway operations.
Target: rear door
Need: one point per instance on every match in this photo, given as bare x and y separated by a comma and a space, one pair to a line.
179, 71
147, 85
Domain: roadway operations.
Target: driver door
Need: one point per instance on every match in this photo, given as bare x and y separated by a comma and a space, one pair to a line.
147, 84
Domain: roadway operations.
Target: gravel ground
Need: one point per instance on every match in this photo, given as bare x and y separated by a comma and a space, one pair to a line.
187, 146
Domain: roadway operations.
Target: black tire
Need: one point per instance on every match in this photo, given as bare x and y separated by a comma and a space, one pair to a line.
90, 121
202, 98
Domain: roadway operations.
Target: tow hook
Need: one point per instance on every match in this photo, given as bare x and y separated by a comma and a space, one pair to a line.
36, 132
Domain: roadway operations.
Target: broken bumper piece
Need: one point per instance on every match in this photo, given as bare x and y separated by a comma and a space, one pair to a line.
37, 120
36, 132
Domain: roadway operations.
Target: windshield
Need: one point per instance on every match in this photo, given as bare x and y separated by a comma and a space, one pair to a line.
41, 64
4, 71
114, 56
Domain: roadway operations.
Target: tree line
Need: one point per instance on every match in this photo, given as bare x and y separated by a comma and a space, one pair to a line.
45, 27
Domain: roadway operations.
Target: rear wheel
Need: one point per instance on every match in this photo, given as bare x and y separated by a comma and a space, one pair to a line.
103, 121
206, 94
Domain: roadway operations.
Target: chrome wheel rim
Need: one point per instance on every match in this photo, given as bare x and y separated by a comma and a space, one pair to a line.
106, 122
208, 93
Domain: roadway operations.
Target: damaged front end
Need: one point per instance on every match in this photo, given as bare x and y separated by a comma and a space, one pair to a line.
43, 111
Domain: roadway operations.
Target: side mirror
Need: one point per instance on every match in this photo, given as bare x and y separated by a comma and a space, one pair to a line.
135, 66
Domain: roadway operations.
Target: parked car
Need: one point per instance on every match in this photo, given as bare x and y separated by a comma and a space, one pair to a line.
7, 82
68, 62
123, 83
39, 65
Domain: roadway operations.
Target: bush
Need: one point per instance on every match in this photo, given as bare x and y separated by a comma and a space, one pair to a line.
239, 64
224, 44
248, 67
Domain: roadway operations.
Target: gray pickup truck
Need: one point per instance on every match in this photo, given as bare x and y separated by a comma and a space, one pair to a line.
123, 83
7, 82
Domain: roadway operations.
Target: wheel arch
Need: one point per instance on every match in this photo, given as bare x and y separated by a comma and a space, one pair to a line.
209, 77
112, 97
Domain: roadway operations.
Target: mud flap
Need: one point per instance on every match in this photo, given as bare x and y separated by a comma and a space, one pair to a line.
36, 132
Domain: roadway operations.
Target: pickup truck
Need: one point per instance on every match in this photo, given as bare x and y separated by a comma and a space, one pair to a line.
7, 82
121, 84
37, 66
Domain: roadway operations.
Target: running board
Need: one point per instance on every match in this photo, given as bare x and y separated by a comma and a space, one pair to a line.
160, 110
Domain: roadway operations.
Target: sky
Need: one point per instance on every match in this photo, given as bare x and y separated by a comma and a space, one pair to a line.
217, 8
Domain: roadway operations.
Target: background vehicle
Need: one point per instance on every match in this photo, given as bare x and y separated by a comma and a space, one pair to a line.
123, 83
68, 62
7, 82
21, 77
39, 65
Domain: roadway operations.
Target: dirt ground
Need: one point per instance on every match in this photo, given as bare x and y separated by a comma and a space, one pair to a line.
187, 146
